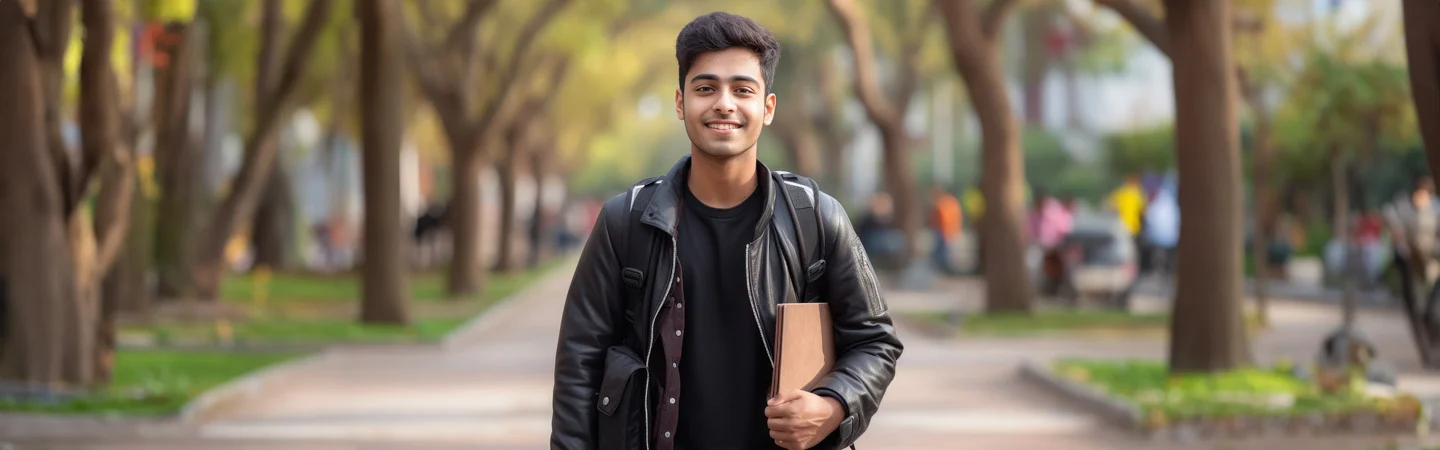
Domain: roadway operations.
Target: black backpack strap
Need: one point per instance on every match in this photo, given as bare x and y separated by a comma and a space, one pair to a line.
803, 195
639, 243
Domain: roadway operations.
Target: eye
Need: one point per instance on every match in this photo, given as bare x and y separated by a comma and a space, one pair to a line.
745, 90
704, 89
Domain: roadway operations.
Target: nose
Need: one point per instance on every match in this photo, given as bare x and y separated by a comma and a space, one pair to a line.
725, 104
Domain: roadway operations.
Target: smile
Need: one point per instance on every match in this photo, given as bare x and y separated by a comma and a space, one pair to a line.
723, 126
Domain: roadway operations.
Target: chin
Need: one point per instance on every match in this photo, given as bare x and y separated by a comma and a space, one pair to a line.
724, 151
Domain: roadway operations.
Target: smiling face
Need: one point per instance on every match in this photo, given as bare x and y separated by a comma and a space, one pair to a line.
724, 104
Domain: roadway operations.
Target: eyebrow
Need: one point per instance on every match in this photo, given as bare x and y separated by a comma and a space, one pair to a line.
713, 77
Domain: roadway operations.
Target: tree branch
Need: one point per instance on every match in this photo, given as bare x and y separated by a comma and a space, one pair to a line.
867, 83
1145, 23
527, 36
268, 57
239, 204
461, 39
505, 108
97, 91
297, 55
993, 20
432, 82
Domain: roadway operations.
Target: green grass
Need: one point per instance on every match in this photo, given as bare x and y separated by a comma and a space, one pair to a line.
311, 331
149, 383
320, 310
1066, 320
311, 287
1063, 321
1252, 391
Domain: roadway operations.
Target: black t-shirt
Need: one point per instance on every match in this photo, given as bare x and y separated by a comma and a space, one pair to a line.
724, 373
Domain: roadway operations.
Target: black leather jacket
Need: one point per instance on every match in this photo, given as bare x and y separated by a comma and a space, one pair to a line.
598, 374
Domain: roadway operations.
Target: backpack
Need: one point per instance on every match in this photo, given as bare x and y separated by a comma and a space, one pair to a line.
802, 199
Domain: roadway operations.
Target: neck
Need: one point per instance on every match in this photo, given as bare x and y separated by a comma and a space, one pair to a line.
722, 183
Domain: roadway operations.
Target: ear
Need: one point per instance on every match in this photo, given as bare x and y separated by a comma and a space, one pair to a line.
769, 108
680, 104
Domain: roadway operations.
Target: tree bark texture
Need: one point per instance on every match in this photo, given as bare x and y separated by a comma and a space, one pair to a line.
385, 291
1208, 331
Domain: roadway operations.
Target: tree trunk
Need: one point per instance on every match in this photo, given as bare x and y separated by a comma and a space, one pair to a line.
509, 171
39, 319
794, 126
977, 58
1207, 331
1422, 46
1264, 205
272, 232
381, 95
542, 224
1035, 63
466, 276
101, 143
888, 117
177, 165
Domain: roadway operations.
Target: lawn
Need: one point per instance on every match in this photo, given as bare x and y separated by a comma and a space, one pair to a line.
1057, 321
1266, 392
152, 382
316, 309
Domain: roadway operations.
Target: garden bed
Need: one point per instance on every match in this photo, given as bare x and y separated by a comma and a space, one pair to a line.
1141, 395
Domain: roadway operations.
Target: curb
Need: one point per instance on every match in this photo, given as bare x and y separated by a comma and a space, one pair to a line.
240, 389
1126, 415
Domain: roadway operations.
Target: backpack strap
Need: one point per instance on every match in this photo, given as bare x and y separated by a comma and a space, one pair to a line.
803, 196
639, 244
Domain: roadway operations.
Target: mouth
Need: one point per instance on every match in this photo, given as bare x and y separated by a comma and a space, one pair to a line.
723, 127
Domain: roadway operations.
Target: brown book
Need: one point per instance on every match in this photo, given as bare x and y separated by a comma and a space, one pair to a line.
804, 348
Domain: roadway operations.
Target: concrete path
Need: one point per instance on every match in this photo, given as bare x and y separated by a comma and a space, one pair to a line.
490, 388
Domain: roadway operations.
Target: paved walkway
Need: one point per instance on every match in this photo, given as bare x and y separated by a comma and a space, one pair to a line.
490, 388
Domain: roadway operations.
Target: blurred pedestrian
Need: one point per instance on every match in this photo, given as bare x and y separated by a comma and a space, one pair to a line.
946, 225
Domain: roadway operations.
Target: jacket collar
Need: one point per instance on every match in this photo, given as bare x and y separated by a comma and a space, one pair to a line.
663, 212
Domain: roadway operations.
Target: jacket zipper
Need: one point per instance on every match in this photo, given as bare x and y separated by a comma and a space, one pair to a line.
755, 309
650, 344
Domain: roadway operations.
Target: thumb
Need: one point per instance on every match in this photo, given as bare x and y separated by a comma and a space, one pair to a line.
785, 397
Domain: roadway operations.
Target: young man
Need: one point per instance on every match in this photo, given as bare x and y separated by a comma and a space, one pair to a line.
667, 335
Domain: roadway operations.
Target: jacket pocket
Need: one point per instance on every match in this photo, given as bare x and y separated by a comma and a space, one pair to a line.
622, 394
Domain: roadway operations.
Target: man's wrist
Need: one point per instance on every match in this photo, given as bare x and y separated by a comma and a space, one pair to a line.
837, 410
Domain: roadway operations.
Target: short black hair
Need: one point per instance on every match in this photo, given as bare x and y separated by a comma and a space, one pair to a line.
719, 31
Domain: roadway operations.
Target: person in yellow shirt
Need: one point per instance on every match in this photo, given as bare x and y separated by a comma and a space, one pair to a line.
1128, 202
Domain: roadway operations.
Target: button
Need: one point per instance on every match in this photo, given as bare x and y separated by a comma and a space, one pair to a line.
667, 434
677, 279
672, 400
680, 305
605, 401
677, 332
675, 365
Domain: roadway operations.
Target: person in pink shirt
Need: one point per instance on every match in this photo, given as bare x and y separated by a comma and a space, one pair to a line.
1049, 222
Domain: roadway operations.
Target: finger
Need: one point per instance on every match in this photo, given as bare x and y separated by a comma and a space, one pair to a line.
785, 397
783, 410
785, 436
783, 424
